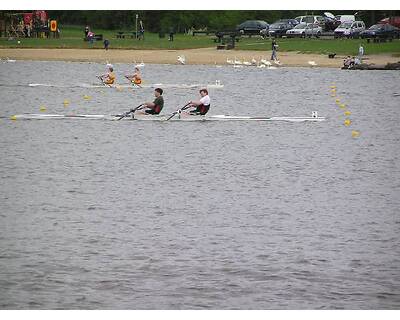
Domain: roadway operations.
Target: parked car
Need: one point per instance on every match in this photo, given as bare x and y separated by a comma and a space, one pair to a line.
311, 19
279, 29
346, 18
331, 23
350, 29
381, 31
252, 26
292, 22
394, 21
305, 30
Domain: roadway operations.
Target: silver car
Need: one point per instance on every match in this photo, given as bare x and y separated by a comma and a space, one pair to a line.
350, 29
305, 30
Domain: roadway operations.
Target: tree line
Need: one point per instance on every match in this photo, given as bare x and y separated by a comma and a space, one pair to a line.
181, 21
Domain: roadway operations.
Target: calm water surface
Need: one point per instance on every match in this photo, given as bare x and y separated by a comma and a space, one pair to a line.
213, 215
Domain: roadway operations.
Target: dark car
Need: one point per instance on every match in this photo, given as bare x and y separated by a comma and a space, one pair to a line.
394, 21
252, 26
279, 29
331, 24
292, 22
381, 31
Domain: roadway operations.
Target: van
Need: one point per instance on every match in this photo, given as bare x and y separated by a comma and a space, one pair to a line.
311, 19
350, 29
346, 18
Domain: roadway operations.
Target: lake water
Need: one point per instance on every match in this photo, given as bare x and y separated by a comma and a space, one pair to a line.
211, 215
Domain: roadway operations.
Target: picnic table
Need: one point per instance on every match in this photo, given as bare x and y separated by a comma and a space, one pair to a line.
123, 35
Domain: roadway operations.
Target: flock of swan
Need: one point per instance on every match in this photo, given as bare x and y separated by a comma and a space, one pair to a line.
262, 63
7, 60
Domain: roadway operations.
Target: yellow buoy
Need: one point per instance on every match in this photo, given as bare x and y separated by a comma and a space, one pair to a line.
333, 95
66, 103
342, 106
337, 100
347, 113
13, 117
347, 122
355, 134
87, 97
333, 87
42, 108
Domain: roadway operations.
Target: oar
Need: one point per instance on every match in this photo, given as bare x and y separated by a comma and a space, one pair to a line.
130, 111
102, 81
100, 78
178, 111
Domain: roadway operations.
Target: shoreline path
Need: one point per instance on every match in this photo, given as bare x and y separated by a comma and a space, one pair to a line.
203, 56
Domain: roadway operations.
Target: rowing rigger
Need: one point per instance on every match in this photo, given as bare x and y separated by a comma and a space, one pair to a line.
154, 85
33, 116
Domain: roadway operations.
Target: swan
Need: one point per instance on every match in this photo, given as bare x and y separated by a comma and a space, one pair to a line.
246, 63
181, 59
238, 62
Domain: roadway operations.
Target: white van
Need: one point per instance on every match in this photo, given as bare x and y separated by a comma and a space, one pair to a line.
350, 29
311, 19
346, 18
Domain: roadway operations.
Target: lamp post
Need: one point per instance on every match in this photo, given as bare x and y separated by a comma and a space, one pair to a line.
137, 17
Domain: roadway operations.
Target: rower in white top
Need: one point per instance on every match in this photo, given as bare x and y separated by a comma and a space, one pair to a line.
202, 106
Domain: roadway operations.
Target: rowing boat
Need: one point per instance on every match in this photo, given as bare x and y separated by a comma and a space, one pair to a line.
39, 116
153, 85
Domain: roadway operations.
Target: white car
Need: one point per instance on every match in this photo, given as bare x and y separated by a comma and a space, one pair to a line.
305, 30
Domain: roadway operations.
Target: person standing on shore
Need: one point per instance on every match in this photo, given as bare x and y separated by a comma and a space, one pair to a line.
274, 49
360, 52
171, 34
86, 31
141, 31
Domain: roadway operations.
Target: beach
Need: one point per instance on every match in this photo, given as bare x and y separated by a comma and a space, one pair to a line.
203, 56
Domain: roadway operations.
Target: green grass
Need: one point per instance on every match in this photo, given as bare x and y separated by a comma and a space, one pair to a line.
324, 46
72, 37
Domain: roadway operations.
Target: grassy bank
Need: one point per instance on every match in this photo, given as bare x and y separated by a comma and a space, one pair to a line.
72, 37
324, 46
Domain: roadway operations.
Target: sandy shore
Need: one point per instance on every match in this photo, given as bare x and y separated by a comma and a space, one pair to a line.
193, 56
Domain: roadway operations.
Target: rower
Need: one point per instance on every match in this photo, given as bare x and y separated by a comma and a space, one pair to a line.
202, 105
136, 78
156, 106
108, 78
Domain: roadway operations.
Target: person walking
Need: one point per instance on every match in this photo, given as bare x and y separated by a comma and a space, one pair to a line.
106, 44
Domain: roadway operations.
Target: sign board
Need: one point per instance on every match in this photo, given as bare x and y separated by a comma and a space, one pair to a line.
53, 25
